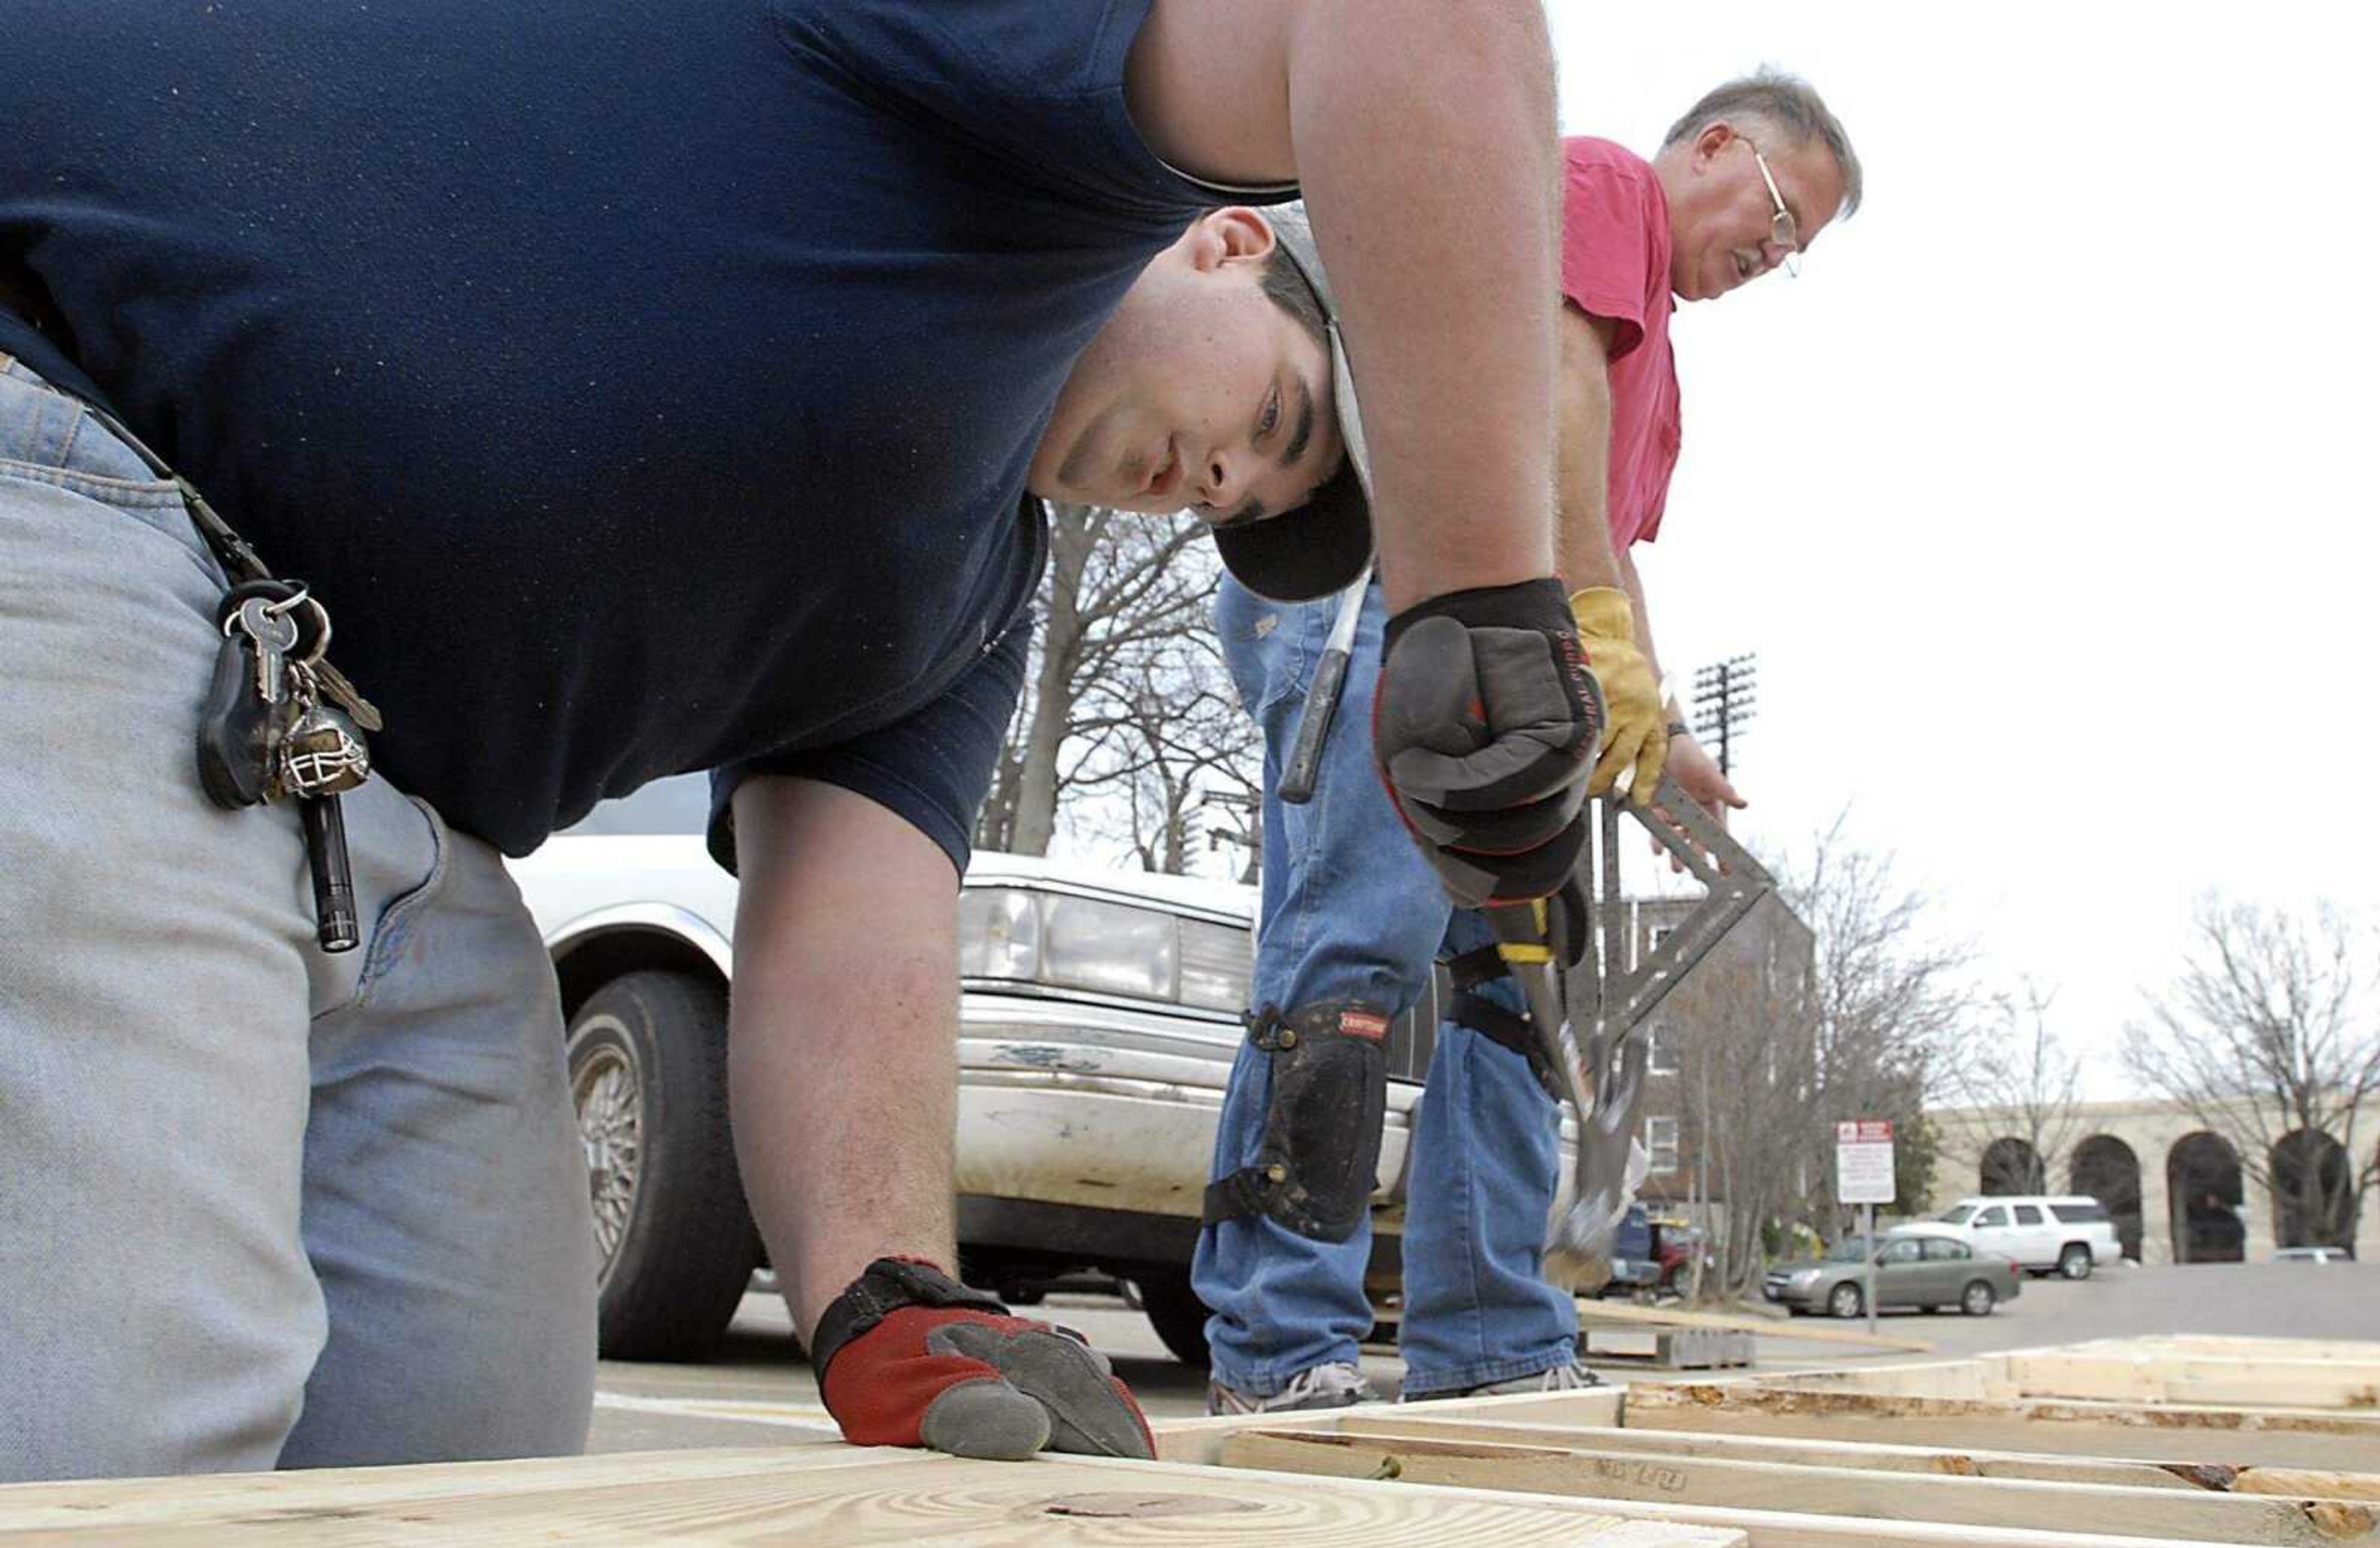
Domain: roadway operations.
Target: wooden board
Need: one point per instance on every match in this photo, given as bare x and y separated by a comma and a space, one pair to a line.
1201, 1440
1770, 1528
2233, 1438
1771, 1485
2157, 1376
1968, 1461
1620, 1312
810, 1497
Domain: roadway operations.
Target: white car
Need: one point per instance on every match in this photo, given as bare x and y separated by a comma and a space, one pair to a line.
1099, 1016
2068, 1234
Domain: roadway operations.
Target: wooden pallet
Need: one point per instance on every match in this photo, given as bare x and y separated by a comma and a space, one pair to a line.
2032, 1448
1669, 1348
813, 1497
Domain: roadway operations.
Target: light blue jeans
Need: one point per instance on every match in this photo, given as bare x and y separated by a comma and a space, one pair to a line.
1351, 909
258, 1206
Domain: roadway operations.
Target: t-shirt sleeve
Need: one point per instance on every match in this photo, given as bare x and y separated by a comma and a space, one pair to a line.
929, 768
1608, 241
1037, 86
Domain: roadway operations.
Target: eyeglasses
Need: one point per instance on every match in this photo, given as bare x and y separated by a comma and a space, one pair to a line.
1781, 227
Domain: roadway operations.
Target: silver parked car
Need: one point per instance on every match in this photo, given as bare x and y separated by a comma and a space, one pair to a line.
1923, 1266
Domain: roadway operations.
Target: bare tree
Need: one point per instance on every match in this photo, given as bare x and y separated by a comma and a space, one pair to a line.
2267, 1037
1182, 741
1833, 1006
1745, 1072
2015, 1065
1887, 997
1118, 587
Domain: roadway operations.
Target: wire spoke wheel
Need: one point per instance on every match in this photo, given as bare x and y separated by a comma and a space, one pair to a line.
605, 1091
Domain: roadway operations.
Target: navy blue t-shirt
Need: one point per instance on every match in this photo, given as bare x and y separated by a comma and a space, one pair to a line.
645, 387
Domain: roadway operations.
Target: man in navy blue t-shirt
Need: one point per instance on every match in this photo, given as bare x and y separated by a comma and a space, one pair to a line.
654, 391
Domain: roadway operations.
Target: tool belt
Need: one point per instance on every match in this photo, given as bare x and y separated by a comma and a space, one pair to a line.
1507, 1028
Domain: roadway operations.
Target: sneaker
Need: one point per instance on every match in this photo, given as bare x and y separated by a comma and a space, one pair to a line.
1572, 1377
1338, 1384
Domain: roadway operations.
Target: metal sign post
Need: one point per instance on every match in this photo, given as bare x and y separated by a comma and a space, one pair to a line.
1863, 1176
1869, 1300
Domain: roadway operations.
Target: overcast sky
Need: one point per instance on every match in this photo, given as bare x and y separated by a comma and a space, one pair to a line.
2045, 494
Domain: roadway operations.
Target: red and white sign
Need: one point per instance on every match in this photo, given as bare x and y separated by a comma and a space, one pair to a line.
1864, 1161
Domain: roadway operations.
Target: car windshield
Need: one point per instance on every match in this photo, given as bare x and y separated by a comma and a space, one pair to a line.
1851, 1249
1956, 1216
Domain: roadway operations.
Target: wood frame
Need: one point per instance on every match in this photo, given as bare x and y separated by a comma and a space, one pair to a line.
2074, 1446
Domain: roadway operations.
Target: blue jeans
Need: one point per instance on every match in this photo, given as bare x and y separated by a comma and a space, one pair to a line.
1351, 909
259, 1207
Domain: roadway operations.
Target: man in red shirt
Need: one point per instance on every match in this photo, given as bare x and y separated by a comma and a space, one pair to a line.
1351, 922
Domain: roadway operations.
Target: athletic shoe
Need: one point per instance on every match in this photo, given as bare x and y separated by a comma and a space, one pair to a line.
1337, 1384
1572, 1377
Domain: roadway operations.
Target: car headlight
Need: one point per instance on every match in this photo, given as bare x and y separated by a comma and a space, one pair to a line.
1803, 1276
1123, 950
1084, 943
1000, 934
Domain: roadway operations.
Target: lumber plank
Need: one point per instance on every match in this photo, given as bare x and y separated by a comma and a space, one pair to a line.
1201, 1440
2235, 1437
135, 1501
1763, 1528
1621, 1313
2353, 1351
2226, 1380
1965, 1461
903, 1498
1782, 1486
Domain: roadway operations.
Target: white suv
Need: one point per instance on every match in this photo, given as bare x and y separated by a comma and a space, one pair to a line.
1099, 1015
2067, 1233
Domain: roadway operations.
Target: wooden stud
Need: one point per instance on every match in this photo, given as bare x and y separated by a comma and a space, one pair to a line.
1966, 1462
2240, 1437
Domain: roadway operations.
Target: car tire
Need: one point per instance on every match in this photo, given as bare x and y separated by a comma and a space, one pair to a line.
2074, 1261
1175, 1311
1978, 1298
1845, 1300
648, 1060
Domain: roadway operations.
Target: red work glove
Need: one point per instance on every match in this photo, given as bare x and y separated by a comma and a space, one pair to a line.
908, 1356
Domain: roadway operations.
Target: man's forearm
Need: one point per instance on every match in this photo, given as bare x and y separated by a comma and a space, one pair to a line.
1425, 141
842, 1046
1582, 399
1634, 586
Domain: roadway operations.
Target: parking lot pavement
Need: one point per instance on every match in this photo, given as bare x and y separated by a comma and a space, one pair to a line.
758, 1390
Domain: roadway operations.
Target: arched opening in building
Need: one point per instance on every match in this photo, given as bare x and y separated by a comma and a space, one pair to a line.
2311, 1206
2012, 1165
2202, 1179
2106, 1168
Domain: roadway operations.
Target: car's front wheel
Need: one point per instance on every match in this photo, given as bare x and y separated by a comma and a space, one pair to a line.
647, 1056
1978, 1298
2074, 1262
1844, 1300
1177, 1314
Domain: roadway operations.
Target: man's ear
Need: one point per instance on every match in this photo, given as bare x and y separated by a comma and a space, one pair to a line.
1716, 137
1220, 235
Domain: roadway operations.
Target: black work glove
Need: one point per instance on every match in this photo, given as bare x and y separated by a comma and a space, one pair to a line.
1485, 726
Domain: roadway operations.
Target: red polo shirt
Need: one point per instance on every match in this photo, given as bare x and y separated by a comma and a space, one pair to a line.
1616, 265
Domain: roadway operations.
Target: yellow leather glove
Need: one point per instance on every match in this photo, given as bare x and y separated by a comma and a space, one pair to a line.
1634, 731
